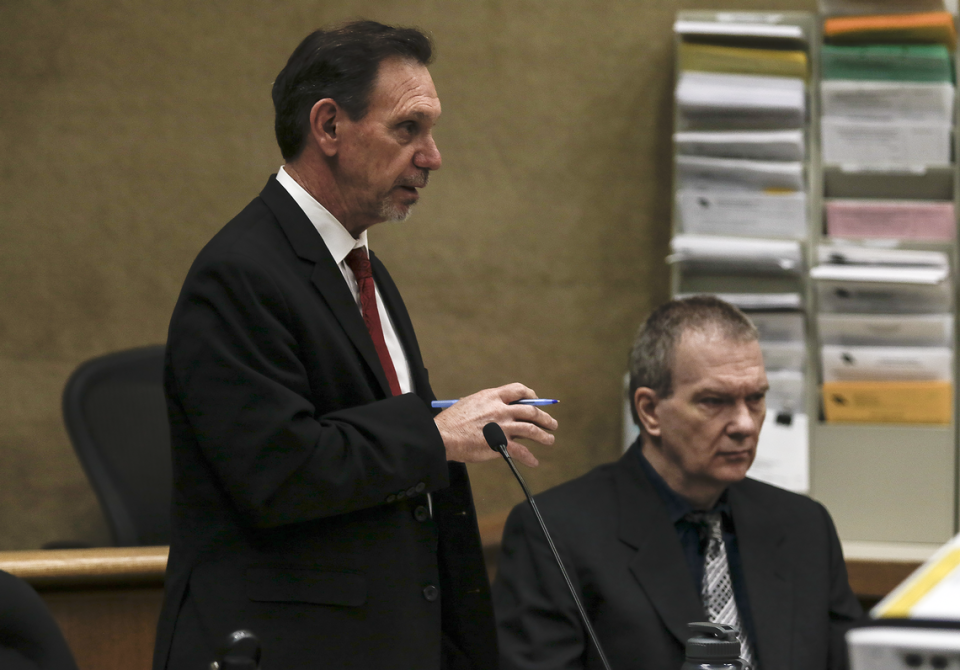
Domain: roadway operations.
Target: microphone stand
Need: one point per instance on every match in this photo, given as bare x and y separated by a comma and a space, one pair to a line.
497, 440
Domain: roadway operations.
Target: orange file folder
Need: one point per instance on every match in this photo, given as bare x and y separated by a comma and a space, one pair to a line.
888, 402
922, 28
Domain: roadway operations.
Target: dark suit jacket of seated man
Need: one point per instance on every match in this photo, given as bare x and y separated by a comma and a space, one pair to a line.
318, 500
698, 387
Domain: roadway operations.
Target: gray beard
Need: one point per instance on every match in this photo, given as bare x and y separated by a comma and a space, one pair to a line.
391, 212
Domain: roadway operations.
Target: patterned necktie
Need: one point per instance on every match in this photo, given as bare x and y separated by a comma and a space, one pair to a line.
717, 588
360, 264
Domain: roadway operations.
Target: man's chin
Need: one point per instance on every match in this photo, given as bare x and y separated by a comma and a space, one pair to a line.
395, 212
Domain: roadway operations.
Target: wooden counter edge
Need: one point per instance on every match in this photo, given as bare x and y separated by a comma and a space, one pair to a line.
74, 568
141, 566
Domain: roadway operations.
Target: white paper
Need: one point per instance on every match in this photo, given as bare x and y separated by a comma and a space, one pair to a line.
881, 274
784, 355
876, 296
850, 254
740, 99
783, 453
775, 145
936, 582
706, 173
886, 363
887, 100
917, 330
744, 27
743, 254
786, 393
893, 145
758, 301
779, 326
781, 215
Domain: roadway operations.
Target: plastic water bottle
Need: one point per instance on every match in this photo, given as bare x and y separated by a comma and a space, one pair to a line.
713, 646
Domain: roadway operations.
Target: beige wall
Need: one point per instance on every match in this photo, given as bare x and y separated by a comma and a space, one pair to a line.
131, 131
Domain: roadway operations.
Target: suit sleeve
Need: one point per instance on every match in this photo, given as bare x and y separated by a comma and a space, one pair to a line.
236, 373
845, 609
538, 626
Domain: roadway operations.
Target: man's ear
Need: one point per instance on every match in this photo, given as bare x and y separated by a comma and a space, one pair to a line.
326, 117
645, 401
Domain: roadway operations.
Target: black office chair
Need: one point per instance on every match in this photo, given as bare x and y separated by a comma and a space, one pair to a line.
116, 416
29, 637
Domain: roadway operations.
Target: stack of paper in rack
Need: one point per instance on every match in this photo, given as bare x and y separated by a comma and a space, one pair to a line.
741, 102
887, 91
886, 332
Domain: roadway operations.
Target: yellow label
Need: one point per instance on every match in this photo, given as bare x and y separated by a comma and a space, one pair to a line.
888, 402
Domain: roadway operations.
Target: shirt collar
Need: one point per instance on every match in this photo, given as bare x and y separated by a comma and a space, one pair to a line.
337, 238
677, 506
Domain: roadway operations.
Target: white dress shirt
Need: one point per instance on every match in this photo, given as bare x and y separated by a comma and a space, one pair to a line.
340, 243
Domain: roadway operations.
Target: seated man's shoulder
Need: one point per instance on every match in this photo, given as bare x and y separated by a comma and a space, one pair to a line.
575, 505
778, 500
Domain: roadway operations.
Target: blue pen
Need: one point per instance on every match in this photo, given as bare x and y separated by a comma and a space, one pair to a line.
536, 402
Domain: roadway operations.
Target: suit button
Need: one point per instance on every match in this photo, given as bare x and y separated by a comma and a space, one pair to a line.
391, 498
421, 513
431, 592
420, 487
412, 491
401, 495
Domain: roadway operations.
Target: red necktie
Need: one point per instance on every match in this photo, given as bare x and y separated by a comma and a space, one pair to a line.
360, 264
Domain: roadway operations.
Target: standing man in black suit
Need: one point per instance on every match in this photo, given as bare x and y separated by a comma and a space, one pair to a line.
318, 500
673, 532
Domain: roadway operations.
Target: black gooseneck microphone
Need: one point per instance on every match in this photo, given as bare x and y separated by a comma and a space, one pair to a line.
495, 437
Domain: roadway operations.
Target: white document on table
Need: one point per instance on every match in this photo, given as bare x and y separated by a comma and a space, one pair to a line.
916, 330
774, 145
783, 452
886, 363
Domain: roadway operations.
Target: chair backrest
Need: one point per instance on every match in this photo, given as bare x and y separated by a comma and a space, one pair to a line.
29, 637
116, 415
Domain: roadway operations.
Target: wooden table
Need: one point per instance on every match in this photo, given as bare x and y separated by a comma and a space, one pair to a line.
107, 601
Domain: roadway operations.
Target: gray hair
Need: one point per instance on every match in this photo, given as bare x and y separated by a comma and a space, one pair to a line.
651, 358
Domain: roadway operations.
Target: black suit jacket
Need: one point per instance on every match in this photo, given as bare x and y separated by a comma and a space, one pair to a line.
287, 446
626, 561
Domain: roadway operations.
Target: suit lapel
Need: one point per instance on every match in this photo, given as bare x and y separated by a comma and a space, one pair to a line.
761, 539
308, 244
659, 564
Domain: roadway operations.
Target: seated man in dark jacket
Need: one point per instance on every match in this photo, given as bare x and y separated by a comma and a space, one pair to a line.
674, 532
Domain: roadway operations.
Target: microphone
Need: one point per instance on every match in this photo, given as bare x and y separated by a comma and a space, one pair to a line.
495, 437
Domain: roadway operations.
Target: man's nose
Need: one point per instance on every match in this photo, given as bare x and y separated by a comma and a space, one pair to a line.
743, 423
428, 157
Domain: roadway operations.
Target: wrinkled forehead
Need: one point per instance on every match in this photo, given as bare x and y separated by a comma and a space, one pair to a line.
705, 356
405, 87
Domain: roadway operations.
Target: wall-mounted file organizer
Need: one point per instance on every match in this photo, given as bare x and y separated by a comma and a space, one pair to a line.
852, 153
742, 209
882, 275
